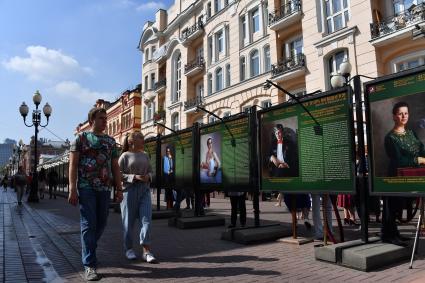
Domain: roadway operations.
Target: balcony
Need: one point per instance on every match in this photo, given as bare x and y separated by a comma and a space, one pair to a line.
160, 85
190, 104
397, 27
148, 95
195, 67
285, 16
159, 116
190, 33
288, 68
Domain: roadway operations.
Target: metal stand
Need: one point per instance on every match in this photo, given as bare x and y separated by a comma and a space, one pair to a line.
418, 228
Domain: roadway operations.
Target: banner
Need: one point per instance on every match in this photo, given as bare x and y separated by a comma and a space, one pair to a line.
396, 133
176, 160
225, 164
293, 158
150, 149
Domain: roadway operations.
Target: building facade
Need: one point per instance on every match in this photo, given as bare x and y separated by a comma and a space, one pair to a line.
123, 115
218, 53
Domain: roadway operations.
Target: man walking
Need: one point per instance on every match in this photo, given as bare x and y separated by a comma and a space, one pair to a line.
52, 177
94, 160
19, 182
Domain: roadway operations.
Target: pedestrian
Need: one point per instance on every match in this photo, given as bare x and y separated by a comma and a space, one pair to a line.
137, 175
237, 202
317, 218
41, 178
94, 160
53, 183
4, 182
29, 183
19, 181
347, 202
279, 199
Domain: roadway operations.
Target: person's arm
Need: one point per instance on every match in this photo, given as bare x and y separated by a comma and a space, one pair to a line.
123, 164
73, 166
117, 178
217, 160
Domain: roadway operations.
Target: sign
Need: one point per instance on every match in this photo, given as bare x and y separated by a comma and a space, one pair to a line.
294, 158
225, 164
395, 107
176, 160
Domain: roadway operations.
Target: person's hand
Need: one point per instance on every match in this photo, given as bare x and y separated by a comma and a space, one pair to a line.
73, 197
118, 195
283, 165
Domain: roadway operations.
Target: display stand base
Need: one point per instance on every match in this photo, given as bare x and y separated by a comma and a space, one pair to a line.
196, 222
163, 213
250, 235
296, 241
361, 256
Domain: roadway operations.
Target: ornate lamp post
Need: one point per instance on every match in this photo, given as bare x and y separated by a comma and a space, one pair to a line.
36, 122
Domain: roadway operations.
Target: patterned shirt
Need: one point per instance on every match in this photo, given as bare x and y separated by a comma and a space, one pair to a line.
94, 164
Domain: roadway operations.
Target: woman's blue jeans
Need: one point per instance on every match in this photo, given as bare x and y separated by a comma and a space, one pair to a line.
94, 209
136, 203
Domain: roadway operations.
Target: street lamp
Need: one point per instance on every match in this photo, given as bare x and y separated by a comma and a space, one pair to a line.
36, 122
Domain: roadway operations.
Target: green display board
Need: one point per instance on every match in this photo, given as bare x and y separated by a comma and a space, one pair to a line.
396, 133
150, 149
222, 165
294, 158
180, 146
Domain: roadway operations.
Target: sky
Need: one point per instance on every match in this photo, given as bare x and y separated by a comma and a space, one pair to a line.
74, 52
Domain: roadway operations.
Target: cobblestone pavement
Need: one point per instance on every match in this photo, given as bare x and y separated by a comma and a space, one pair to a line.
40, 242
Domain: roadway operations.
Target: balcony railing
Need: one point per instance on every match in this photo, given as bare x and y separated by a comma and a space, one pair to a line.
286, 65
159, 84
284, 11
199, 26
392, 24
197, 64
192, 103
158, 116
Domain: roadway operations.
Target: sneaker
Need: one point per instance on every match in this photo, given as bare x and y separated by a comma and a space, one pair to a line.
130, 254
149, 258
91, 274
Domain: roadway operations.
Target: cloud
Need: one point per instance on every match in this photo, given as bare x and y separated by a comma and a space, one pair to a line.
46, 65
72, 89
151, 5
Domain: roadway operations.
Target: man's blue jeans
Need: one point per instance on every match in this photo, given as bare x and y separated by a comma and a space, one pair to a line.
94, 209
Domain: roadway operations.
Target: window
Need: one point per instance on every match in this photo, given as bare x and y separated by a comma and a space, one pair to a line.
211, 119
227, 114
177, 78
210, 49
200, 89
243, 27
217, 6
152, 80
227, 75
220, 41
209, 84
401, 6
209, 10
255, 17
153, 50
175, 123
242, 68
337, 14
146, 54
266, 104
295, 47
246, 109
267, 60
218, 79
409, 61
146, 83
255, 63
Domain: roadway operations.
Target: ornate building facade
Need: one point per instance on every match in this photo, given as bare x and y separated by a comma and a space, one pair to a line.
124, 115
218, 53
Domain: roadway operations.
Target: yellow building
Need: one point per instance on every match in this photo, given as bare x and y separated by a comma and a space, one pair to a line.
123, 115
218, 53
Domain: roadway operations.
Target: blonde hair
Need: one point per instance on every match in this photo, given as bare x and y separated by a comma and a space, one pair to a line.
131, 137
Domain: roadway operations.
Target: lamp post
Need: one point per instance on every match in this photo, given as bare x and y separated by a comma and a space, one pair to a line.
341, 79
36, 122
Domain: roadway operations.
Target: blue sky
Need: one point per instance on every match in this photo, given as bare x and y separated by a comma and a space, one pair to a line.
73, 52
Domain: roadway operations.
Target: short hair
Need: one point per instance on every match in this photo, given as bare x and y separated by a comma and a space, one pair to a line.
399, 105
93, 113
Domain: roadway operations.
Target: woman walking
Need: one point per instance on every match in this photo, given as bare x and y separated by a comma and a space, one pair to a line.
137, 174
